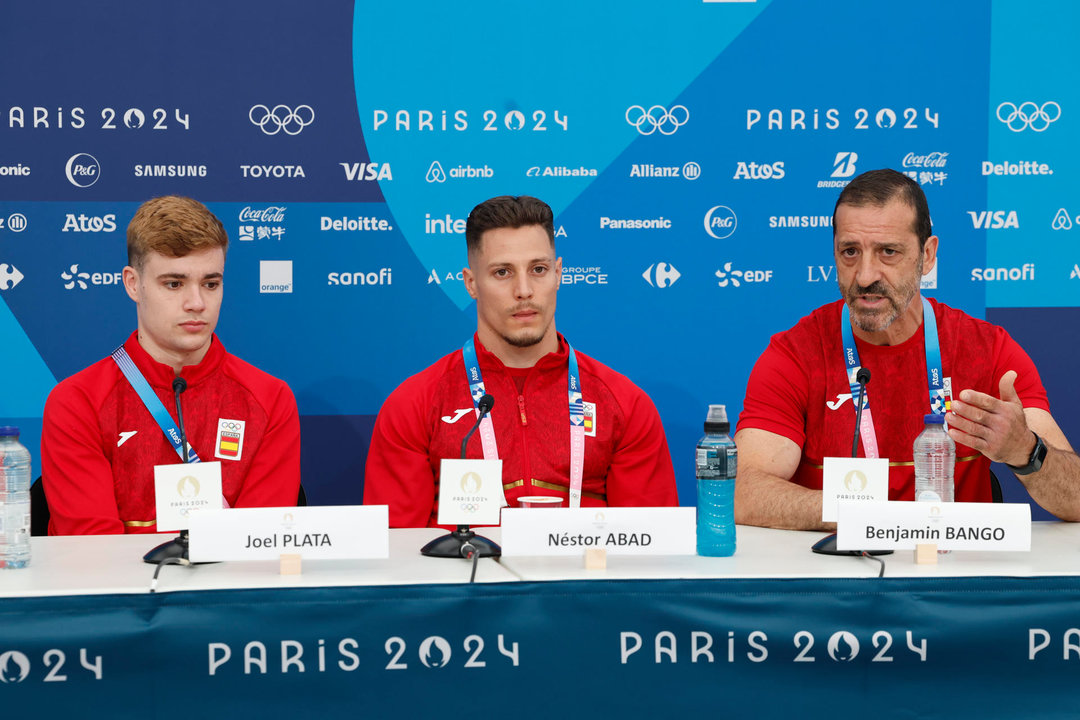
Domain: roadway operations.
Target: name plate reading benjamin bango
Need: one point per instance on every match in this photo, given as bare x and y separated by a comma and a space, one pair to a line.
314, 533
620, 531
901, 525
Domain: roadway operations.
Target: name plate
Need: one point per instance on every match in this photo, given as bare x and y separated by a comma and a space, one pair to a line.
950, 526
621, 531
844, 478
316, 533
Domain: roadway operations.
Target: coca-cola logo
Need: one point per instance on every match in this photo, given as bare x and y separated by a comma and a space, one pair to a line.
268, 214
930, 160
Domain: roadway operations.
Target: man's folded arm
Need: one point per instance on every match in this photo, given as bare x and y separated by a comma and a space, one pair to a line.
764, 492
76, 474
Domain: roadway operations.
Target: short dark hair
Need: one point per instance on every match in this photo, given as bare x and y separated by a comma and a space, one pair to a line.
880, 187
508, 211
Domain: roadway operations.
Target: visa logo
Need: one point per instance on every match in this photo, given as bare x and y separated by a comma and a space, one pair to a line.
994, 219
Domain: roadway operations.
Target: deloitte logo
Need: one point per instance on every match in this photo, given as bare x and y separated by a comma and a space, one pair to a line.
661, 275
82, 170
720, 222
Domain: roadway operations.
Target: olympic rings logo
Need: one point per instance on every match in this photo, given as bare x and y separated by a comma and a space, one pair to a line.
469, 508
231, 425
657, 118
282, 117
1028, 115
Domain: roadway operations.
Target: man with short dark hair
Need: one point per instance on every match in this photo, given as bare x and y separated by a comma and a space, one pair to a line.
925, 358
105, 428
518, 357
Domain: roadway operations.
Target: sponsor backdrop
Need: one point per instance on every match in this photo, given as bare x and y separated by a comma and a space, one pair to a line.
755, 648
692, 157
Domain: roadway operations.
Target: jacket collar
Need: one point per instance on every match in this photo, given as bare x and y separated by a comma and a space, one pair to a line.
161, 375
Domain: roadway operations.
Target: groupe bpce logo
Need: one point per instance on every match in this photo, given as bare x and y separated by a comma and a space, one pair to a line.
657, 118
281, 118
1028, 115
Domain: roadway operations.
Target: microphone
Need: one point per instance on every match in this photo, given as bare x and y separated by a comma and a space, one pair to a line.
484, 406
174, 551
179, 385
827, 544
863, 378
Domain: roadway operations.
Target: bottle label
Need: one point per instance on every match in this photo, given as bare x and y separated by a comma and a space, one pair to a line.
928, 496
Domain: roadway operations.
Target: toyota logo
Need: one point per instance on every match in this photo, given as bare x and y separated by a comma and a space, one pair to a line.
281, 117
1028, 115
657, 118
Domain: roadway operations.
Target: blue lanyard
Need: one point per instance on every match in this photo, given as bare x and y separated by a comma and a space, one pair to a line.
577, 415
152, 403
935, 378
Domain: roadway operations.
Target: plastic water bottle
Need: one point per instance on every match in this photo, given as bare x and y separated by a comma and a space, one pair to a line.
935, 458
14, 500
716, 462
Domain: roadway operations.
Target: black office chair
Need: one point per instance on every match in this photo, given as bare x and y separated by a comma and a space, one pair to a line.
39, 509
995, 488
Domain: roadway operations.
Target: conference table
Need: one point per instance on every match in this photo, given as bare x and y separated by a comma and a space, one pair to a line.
773, 631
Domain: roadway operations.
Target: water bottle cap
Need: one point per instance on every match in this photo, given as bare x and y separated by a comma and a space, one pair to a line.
9, 431
933, 419
716, 420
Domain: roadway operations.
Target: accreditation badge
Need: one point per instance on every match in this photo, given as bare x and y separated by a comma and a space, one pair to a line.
590, 418
229, 441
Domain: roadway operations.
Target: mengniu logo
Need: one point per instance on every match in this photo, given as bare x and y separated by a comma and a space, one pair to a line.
435, 652
82, 170
14, 667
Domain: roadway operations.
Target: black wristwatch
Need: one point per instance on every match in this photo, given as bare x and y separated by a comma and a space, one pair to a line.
1035, 461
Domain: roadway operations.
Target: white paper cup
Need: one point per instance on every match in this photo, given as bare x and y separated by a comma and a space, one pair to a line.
539, 501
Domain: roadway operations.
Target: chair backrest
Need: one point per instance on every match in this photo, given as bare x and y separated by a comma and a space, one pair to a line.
301, 498
39, 509
995, 488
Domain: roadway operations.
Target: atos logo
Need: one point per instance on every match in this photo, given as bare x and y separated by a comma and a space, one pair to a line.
994, 219
82, 170
720, 222
89, 223
367, 172
661, 275
759, 171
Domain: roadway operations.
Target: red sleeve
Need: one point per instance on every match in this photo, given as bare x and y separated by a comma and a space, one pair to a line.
76, 475
398, 472
641, 474
1029, 387
273, 479
776, 394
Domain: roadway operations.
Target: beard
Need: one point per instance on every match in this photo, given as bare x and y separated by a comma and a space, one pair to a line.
898, 299
525, 337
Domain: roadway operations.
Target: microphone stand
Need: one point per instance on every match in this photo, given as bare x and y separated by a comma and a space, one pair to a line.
827, 544
178, 547
463, 542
